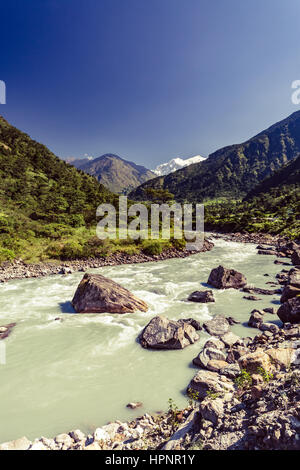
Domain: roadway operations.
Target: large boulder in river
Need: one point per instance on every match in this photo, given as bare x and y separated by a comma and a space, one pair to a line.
162, 333
98, 294
289, 312
223, 278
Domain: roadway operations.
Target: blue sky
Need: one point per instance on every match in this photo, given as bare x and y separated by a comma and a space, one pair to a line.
147, 79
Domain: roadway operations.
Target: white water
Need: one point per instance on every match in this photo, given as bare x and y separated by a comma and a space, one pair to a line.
82, 371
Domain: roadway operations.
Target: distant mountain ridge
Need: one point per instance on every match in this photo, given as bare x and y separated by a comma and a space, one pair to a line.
235, 170
175, 164
117, 174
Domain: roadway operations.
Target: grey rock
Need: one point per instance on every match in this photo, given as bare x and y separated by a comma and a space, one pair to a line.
98, 294
224, 278
290, 311
201, 296
161, 333
218, 326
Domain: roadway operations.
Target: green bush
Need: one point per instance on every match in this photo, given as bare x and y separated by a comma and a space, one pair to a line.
179, 244
71, 250
151, 247
6, 255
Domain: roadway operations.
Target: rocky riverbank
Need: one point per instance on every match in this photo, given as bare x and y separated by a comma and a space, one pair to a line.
18, 269
259, 238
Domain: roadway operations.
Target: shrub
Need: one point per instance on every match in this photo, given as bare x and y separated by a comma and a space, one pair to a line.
6, 255
71, 249
179, 244
151, 247
244, 380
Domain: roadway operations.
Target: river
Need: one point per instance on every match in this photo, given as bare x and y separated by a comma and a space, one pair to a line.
81, 371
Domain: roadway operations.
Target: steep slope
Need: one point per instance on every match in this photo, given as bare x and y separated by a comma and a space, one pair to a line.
272, 206
117, 174
176, 164
42, 197
287, 176
233, 171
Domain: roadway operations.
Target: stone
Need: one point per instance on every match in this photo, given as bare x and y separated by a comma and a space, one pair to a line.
5, 330
201, 296
64, 439
251, 297
232, 321
258, 290
38, 445
218, 326
289, 311
229, 339
216, 365
267, 252
283, 357
101, 435
230, 370
271, 327
289, 292
257, 379
111, 429
256, 391
223, 278
66, 270
162, 333
212, 410
265, 247
251, 362
206, 381
190, 321
77, 435
214, 343
98, 294
269, 310
93, 446
19, 444
296, 257
294, 278
50, 443
206, 355
256, 319
134, 405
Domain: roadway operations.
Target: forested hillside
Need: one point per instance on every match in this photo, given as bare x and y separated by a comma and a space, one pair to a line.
233, 171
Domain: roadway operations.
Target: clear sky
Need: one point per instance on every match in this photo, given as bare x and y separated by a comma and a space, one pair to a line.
148, 80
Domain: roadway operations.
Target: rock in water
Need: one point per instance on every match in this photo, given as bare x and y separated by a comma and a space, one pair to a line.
5, 330
223, 278
98, 294
289, 312
162, 333
201, 296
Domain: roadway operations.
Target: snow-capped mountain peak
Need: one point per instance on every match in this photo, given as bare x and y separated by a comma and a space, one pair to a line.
176, 164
